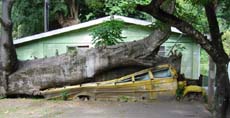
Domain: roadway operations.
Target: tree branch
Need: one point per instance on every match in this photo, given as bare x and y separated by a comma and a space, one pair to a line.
157, 3
148, 8
213, 23
154, 9
214, 29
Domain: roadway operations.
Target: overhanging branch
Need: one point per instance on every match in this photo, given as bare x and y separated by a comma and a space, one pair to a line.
148, 8
154, 9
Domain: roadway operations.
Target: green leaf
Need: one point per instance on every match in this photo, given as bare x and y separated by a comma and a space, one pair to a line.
108, 33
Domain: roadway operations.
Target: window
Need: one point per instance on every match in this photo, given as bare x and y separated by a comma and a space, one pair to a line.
162, 73
141, 77
83, 46
161, 51
74, 49
70, 48
125, 80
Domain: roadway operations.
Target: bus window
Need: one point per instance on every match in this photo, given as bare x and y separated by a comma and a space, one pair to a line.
141, 77
125, 80
162, 73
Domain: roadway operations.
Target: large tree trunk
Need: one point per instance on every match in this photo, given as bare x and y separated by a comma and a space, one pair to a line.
222, 101
7, 51
81, 66
73, 14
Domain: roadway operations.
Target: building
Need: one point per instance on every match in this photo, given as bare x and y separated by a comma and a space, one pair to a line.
58, 41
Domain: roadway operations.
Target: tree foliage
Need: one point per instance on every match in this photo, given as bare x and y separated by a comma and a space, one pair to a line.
223, 13
108, 33
193, 13
98, 8
28, 14
226, 41
27, 17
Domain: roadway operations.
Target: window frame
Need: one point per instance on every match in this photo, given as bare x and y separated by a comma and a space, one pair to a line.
168, 68
148, 73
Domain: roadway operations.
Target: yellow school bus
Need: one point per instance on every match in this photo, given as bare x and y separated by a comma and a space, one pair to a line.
148, 84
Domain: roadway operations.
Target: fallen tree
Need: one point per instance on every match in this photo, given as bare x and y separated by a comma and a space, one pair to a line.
30, 77
81, 66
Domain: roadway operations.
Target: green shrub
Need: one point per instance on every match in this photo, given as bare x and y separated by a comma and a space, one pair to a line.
108, 33
123, 98
64, 95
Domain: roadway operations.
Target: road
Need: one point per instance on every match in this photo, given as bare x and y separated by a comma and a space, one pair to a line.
39, 108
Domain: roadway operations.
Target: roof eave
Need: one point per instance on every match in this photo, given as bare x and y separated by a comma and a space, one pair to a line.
85, 25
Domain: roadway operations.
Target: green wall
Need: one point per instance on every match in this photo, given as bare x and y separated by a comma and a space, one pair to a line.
56, 45
190, 64
50, 46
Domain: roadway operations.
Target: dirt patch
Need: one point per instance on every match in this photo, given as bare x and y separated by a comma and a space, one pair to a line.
39, 108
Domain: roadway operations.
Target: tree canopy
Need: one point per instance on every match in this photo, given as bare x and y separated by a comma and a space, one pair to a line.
28, 15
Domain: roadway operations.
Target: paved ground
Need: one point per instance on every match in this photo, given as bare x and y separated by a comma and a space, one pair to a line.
32, 108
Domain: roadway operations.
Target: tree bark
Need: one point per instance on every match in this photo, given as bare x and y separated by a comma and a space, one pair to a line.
211, 83
7, 51
222, 102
